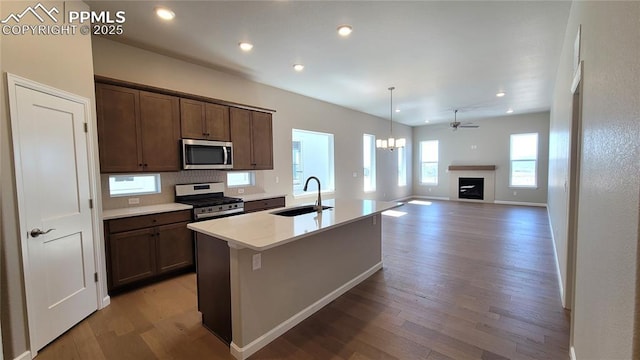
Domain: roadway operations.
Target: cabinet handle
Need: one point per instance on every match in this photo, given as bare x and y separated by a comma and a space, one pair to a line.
139, 165
145, 165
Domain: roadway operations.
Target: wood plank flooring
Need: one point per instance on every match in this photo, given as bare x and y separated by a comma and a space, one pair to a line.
460, 281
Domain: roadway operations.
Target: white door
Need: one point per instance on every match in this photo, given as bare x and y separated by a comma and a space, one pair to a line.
52, 181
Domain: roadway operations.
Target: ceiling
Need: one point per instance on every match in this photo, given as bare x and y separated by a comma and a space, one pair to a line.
439, 55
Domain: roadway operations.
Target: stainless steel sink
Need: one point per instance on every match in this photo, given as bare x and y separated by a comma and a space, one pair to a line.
300, 210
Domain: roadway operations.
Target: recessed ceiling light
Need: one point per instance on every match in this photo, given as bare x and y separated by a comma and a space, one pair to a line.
298, 67
245, 46
397, 110
164, 13
426, 121
344, 30
501, 94
509, 111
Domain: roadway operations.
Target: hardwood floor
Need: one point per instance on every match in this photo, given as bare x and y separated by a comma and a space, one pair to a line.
460, 281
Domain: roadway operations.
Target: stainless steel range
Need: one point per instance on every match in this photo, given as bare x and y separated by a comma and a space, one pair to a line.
208, 200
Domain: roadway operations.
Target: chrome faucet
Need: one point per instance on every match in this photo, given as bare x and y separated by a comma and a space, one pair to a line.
319, 201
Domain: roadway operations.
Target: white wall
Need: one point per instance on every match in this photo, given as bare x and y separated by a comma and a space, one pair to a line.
116, 60
608, 213
63, 62
486, 145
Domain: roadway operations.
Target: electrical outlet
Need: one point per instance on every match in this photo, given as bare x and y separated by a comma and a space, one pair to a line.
515, 193
134, 201
257, 261
355, 174
374, 219
277, 179
240, 191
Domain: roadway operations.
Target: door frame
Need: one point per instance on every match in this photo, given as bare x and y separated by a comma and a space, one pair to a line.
573, 200
13, 82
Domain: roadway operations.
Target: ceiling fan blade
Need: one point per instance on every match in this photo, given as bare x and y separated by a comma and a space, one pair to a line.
469, 126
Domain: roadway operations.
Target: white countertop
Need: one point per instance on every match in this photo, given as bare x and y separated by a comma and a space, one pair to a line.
143, 210
262, 230
261, 196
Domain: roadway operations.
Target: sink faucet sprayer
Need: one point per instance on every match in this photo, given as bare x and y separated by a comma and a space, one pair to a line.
319, 201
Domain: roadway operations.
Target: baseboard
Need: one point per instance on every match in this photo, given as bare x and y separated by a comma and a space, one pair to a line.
24, 356
519, 203
555, 256
402, 199
430, 197
244, 352
105, 302
572, 353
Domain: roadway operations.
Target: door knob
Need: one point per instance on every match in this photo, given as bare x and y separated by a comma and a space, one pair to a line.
37, 232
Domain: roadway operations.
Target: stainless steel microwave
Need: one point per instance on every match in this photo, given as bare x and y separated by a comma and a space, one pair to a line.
204, 154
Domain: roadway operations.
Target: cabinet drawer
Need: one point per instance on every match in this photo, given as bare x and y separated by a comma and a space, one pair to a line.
264, 204
145, 221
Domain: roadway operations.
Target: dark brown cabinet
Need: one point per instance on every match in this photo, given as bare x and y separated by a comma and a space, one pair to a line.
137, 130
214, 285
264, 204
252, 138
146, 247
204, 121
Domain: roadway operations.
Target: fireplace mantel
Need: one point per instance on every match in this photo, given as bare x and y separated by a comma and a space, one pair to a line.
472, 167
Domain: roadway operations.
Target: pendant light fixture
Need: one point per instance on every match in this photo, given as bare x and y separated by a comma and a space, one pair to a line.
391, 143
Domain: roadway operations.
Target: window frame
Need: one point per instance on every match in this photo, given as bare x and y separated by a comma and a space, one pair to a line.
250, 175
402, 167
436, 162
329, 186
157, 183
534, 159
369, 186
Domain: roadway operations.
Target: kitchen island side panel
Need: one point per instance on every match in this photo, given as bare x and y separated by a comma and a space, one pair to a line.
213, 280
296, 275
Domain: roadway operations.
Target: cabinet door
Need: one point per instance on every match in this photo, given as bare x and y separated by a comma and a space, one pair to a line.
133, 256
262, 141
217, 122
118, 128
240, 123
264, 204
192, 119
174, 246
160, 129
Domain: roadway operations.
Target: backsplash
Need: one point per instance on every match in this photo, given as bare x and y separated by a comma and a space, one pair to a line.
169, 181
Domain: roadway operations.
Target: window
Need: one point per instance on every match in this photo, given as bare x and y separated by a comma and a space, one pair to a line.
369, 162
312, 155
524, 159
297, 163
429, 162
126, 185
402, 167
242, 178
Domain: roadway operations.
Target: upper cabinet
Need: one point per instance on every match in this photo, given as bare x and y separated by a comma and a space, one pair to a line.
140, 127
204, 121
252, 138
137, 130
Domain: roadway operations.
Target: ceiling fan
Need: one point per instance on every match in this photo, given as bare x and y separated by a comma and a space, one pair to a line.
457, 124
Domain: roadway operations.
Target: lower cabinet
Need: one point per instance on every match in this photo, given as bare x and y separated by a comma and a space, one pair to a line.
144, 248
264, 204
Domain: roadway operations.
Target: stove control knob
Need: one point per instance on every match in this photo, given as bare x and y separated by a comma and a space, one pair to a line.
220, 208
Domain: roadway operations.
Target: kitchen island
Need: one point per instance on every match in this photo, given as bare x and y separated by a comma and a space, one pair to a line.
260, 274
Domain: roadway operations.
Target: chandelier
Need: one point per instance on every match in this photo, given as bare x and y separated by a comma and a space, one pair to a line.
391, 143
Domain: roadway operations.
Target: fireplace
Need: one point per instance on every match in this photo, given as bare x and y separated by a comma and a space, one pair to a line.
471, 188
